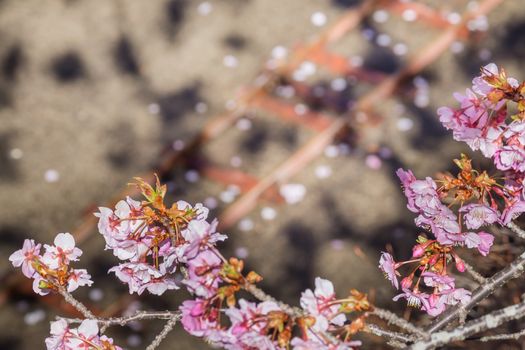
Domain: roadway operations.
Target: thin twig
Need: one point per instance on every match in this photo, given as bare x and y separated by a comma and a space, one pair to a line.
124, 320
516, 229
391, 335
497, 280
514, 336
70, 299
474, 274
489, 321
392, 318
160, 337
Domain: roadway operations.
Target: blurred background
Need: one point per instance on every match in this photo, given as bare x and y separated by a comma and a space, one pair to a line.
287, 118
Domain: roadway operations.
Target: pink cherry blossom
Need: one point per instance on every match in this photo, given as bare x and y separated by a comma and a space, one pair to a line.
414, 298
440, 282
85, 335
199, 235
142, 276
41, 286
510, 157
515, 133
118, 226
59, 335
203, 274
195, 318
62, 252
253, 340
458, 295
318, 304
245, 317
78, 278
24, 257
243, 335
387, 265
477, 215
479, 85
63, 337
511, 212
482, 87
423, 199
407, 178
434, 305
481, 240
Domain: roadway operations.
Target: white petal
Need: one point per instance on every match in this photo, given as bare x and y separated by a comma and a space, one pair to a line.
88, 328
65, 241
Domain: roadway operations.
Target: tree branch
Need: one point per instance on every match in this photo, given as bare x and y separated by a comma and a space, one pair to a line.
70, 299
476, 276
122, 321
514, 336
399, 337
160, 337
515, 269
489, 321
516, 229
392, 318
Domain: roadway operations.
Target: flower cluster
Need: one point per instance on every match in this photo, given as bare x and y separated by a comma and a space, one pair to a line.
266, 325
429, 285
155, 243
153, 240
432, 272
86, 336
483, 122
491, 118
425, 199
51, 270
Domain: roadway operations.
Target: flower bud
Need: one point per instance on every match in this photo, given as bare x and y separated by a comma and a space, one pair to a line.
418, 251
406, 282
460, 265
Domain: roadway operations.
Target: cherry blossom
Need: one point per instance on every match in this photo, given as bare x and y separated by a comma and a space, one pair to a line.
203, 274
481, 240
142, 276
59, 334
86, 336
196, 319
477, 215
51, 271
78, 278
387, 265
62, 252
25, 256
244, 317
318, 304
512, 212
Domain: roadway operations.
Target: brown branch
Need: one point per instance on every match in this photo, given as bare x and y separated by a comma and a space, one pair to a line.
391, 335
514, 336
489, 321
392, 318
476, 276
516, 229
162, 335
70, 299
124, 320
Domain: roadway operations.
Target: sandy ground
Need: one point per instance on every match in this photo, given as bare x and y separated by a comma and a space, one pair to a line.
92, 91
